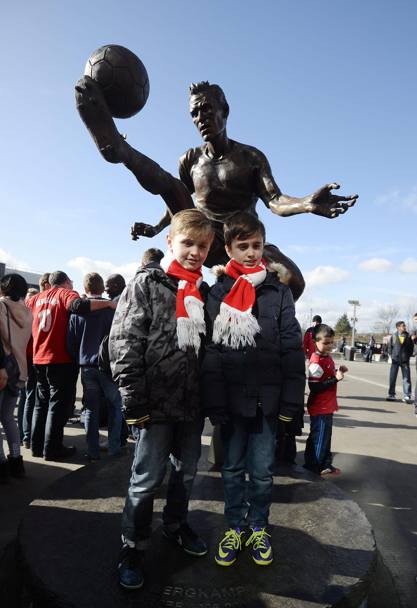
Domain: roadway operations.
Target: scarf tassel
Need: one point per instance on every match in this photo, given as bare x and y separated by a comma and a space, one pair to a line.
188, 334
189, 328
235, 328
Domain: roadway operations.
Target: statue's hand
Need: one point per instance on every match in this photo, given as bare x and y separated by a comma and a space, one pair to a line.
324, 203
140, 229
96, 116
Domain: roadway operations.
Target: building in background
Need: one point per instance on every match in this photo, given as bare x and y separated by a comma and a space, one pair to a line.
32, 278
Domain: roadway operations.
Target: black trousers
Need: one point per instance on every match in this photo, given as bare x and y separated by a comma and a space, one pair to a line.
55, 397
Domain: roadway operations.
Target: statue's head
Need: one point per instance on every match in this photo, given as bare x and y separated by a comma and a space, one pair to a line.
208, 108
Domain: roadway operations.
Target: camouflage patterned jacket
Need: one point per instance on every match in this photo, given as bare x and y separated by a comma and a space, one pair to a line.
155, 377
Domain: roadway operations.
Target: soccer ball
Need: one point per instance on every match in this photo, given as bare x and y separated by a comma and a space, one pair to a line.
122, 77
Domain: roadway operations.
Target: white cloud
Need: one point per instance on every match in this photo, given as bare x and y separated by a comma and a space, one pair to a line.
396, 198
12, 262
392, 198
376, 265
323, 275
84, 265
410, 200
409, 265
314, 248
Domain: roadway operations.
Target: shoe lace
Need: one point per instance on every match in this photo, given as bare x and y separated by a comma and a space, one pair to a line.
259, 539
232, 540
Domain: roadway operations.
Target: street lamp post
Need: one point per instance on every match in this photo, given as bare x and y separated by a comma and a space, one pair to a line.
354, 303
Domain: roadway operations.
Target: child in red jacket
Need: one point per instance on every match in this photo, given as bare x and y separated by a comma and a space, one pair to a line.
322, 402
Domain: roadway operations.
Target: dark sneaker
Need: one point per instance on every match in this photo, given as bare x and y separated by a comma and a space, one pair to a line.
187, 539
391, 398
261, 547
229, 547
64, 453
407, 400
16, 466
331, 470
130, 568
26, 444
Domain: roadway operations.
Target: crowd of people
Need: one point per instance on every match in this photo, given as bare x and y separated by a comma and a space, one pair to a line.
167, 350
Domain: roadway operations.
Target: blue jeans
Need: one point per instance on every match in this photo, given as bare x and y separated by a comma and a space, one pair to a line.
94, 384
393, 373
154, 445
252, 451
317, 455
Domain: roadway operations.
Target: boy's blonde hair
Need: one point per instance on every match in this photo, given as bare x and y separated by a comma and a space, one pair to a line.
192, 222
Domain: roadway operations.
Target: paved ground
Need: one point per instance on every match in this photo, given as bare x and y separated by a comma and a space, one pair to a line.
375, 446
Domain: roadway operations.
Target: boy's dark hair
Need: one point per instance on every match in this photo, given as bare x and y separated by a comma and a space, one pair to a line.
57, 278
398, 323
317, 319
242, 226
152, 255
322, 331
14, 286
93, 283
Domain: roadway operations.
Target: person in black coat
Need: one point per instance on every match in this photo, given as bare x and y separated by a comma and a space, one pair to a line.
253, 375
400, 347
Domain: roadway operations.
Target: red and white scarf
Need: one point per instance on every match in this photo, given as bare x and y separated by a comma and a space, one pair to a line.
190, 304
235, 325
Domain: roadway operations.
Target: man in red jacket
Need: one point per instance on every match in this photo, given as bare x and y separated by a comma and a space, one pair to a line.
308, 343
55, 369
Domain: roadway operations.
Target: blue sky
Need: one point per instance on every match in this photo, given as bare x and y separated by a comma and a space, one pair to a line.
326, 89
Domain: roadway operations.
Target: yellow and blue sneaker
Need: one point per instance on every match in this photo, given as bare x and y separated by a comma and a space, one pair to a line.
261, 547
229, 547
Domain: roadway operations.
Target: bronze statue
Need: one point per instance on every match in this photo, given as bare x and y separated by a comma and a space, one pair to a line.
224, 175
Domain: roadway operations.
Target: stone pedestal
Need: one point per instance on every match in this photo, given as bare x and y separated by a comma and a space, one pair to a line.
70, 539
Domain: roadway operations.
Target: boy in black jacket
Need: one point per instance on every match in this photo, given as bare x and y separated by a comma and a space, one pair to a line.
253, 374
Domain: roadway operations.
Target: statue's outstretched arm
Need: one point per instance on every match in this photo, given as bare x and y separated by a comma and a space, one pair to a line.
96, 116
321, 202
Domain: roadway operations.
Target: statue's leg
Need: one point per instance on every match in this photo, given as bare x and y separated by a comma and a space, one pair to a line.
288, 271
217, 253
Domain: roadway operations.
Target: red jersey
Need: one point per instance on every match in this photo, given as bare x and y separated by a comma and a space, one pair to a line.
50, 323
321, 368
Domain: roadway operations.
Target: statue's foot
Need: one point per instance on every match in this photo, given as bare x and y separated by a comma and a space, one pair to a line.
96, 116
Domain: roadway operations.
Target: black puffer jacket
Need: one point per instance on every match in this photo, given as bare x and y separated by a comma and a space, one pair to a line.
270, 376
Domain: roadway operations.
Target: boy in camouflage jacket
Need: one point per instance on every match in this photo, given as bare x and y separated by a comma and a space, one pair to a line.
154, 345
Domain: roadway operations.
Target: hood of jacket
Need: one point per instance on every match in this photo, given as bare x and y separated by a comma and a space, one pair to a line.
274, 267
